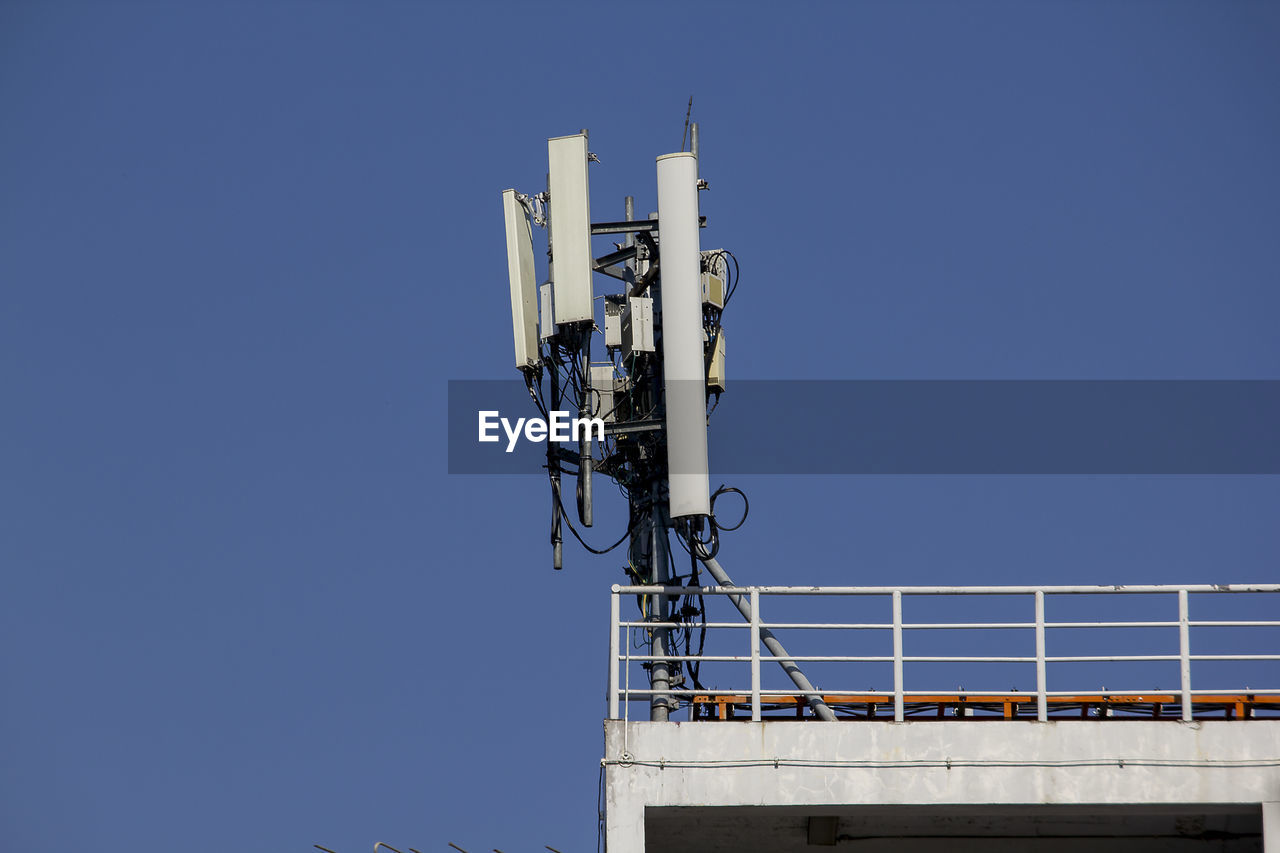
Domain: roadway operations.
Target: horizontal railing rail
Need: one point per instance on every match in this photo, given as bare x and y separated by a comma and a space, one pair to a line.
621, 693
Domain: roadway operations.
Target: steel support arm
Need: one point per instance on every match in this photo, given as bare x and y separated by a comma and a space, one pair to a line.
743, 603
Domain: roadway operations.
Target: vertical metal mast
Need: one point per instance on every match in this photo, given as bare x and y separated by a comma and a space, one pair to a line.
553, 455
660, 674
648, 499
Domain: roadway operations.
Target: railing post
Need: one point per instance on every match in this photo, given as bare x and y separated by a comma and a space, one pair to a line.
1184, 652
615, 603
899, 712
1042, 696
755, 655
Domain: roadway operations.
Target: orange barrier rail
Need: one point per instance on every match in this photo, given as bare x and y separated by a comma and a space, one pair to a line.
1005, 706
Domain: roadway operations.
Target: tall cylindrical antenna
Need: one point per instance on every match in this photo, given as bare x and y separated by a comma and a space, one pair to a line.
684, 371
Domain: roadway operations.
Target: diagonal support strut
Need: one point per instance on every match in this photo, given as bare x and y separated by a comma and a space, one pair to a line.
743, 603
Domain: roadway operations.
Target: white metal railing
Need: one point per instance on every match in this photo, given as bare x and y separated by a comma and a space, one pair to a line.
621, 693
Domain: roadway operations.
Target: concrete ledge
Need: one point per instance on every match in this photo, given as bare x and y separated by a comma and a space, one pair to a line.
783, 763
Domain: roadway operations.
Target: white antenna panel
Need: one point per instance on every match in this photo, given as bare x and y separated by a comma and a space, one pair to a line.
684, 371
570, 228
545, 320
524, 286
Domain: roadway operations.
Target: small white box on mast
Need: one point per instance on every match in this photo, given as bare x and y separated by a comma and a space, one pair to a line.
610, 405
637, 326
613, 308
713, 277
715, 373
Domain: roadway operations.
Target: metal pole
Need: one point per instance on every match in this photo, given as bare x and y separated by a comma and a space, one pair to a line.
693, 141
899, 709
1184, 653
615, 616
1042, 696
553, 457
660, 673
775, 648
553, 466
585, 460
755, 651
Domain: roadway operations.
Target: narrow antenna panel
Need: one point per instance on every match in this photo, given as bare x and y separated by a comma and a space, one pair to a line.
524, 287
684, 370
570, 228
546, 321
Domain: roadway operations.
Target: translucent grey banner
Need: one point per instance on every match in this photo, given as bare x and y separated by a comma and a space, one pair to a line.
937, 427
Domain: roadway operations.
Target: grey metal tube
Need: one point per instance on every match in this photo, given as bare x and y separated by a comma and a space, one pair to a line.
584, 475
553, 466
644, 280
743, 603
660, 672
629, 214
586, 461
553, 457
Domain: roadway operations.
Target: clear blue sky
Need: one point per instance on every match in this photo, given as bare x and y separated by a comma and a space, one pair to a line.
243, 247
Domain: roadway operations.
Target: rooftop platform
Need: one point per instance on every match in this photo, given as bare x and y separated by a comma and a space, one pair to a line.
794, 757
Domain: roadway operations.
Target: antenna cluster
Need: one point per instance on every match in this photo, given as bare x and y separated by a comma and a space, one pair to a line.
648, 382
664, 357
663, 353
